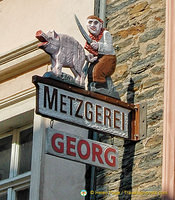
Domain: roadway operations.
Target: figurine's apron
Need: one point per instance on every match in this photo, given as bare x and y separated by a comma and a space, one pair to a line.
104, 66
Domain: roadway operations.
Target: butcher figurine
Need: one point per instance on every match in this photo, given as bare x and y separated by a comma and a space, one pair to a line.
101, 55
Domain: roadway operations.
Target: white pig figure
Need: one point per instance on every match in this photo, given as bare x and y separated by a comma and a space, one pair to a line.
64, 51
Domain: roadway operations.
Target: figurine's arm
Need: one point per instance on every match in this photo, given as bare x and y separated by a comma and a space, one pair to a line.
105, 45
91, 58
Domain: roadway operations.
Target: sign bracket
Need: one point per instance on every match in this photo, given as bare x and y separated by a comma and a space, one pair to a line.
138, 130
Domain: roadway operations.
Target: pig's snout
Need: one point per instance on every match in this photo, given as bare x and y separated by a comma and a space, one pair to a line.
38, 33
40, 36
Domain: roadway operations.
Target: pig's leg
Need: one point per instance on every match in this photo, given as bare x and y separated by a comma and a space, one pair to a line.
76, 74
77, 80
57, 69
82, 79
59, 60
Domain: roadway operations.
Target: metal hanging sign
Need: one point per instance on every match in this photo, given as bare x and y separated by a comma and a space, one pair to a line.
71, 104
69, 146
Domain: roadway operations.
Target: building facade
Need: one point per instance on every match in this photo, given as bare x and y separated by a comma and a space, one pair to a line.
143, 38
25, 171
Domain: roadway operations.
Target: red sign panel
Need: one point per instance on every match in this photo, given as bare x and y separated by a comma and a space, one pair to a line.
82, 150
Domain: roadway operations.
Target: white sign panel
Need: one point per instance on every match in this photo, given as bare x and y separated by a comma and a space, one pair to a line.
82, 150
83, 110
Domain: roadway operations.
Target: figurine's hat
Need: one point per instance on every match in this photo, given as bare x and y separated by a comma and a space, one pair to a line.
95, 17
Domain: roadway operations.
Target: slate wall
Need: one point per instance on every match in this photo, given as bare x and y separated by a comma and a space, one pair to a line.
138, 30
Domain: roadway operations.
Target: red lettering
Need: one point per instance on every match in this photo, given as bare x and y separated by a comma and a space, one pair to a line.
113, 158
70, 146
89, 151
85, 156
61, 144
96, 152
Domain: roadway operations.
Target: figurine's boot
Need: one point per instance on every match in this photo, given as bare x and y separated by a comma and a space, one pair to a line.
101, 85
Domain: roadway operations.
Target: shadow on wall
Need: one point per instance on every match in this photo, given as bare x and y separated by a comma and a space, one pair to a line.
128, 156
127, 163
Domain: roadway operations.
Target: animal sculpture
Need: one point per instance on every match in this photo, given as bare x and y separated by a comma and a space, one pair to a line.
64, 51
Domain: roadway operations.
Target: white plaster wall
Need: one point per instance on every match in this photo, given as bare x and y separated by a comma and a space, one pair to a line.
21, 19
55, 178
61, 178
14, 86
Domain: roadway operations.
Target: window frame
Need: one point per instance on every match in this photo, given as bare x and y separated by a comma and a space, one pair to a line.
15, 182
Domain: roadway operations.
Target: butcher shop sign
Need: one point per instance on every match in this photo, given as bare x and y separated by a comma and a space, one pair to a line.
74, 105
69, 146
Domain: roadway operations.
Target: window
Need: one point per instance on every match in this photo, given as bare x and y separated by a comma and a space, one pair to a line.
23, 194
3, 196
15, 163
5, 154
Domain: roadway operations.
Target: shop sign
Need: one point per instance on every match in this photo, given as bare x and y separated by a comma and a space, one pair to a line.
84, 111
64, 102
69, 146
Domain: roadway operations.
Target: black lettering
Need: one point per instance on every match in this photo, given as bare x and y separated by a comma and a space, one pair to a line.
71, 100
116, 119
107, 116
78, 109
88, 114
62, 103
50, 100
123, 121
98, 114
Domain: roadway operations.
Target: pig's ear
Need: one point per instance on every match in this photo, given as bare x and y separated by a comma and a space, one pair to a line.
55, 35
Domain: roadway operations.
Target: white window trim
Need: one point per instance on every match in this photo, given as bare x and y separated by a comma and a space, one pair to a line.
18, 181
15, 182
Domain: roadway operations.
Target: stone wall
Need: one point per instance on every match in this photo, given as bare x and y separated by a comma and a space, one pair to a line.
138, 29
